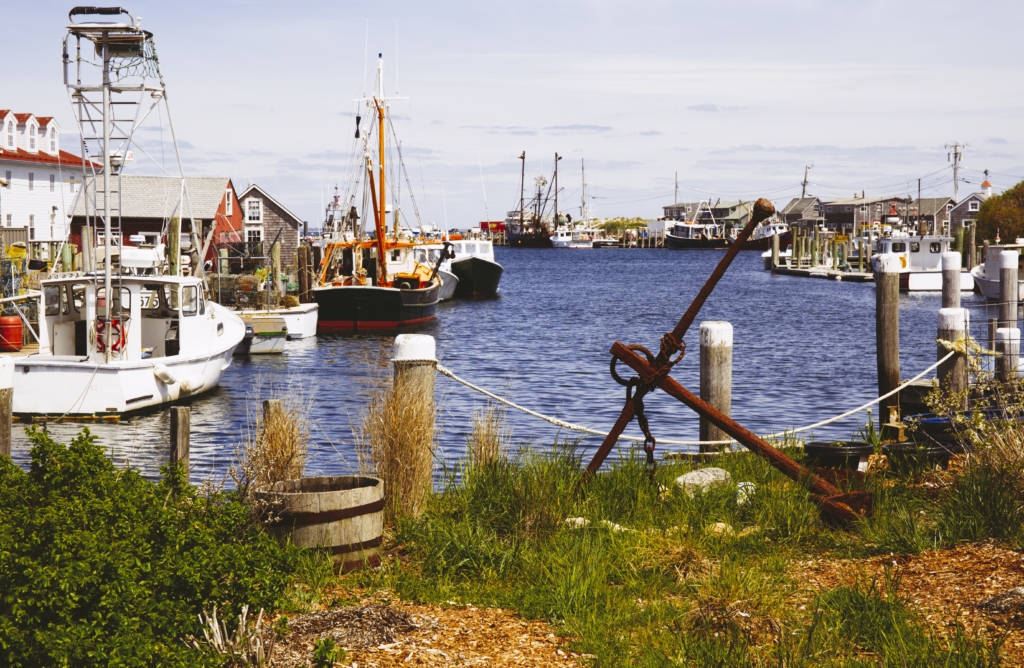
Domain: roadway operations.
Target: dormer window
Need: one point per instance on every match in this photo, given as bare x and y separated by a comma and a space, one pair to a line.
973, 205
10, 134
32, 137
53, 140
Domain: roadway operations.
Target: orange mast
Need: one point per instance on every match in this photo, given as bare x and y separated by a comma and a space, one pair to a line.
381, 214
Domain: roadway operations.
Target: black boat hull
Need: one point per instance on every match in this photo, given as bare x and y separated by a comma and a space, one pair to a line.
477, 277
679, 243
348, 308
529, 239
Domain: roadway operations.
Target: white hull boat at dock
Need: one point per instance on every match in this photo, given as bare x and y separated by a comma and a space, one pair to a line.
265, 334
988, 281
301, 320
921, 262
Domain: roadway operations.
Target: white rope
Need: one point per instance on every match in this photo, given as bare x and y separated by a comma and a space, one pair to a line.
574, 427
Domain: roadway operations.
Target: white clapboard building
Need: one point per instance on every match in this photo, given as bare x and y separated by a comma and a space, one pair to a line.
39, 181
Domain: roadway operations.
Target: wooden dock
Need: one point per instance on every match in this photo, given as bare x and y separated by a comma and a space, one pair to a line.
828, 274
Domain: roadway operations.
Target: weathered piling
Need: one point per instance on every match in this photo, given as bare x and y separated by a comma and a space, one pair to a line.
984, 252
275, 267
775, 250
6, 404
993, 325
88, 252
715, 377
952, 374
887, 329
303, 254
174, 248
1007, 352
181, 419
415, 365
1008, 289
972, 257
951, 267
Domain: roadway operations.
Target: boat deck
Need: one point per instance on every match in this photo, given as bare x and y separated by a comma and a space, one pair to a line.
26, 350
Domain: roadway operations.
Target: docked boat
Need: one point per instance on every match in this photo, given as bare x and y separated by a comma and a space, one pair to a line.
686, 235
265, 334
986, 275
921, 261
530, 226
374, 283
761, 238
432, 253
784, 258
475, 267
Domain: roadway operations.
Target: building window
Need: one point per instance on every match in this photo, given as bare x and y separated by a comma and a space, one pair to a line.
828, 209
949, 207
973, 206
31, 181
254, 235
863, 209
10, 134
53, 183
31, 226
849, 209
9, 220
254, 211
53, 140
32, 137
227, 203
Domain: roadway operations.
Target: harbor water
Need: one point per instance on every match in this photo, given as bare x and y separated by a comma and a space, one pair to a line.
804, 351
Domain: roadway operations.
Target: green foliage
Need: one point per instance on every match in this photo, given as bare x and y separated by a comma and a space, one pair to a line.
1003, 213
326, 654
99, 566
984, 503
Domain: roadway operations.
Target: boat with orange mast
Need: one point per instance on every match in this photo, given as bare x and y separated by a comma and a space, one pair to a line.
375, 283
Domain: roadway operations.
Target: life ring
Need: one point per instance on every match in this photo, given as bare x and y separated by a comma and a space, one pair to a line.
117, 342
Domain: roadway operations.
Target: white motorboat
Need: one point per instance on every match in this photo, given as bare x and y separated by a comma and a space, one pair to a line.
474, 264
300, 320
111, 342
921, 261
986, 274
265, 334
784, 256
573, 237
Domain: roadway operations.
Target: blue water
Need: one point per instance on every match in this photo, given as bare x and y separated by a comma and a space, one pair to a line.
804, 350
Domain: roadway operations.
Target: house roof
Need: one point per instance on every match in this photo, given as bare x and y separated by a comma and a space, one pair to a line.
158, 196
21, 118
978, 196
44, 120
932, 206
63, 159
263, 194
4, 112
799, 205
862, 200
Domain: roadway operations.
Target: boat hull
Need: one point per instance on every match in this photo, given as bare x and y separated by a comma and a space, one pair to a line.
529, 240
931, 281
358, 307
765, 243
990, 288
477, 277
301, 320
679, 243
449, 283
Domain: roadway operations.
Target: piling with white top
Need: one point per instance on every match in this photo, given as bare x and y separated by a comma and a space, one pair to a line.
952, 374
887, 328
1007, 352
1008, 289
6, 404
951, 266
415, 364
715, 377
775, 250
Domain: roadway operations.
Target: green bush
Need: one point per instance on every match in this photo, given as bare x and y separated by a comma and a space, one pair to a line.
100, 566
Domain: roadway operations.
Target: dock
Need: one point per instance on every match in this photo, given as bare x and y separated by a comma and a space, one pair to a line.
827, 273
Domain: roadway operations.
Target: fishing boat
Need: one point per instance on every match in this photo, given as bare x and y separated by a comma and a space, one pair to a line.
432, 253
265, 334
986, 275
688, 235
761, 239
475, 267
920, 261
135, 333
374, 283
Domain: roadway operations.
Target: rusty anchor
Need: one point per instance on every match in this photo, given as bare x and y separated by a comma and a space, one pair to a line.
653, 373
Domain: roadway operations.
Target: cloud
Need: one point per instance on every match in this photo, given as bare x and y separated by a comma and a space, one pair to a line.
437, 122
265, 154
650, 133
577, 128
996, 140
185, 144
703, 107
323, 155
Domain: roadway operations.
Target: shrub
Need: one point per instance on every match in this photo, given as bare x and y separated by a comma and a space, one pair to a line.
98, 565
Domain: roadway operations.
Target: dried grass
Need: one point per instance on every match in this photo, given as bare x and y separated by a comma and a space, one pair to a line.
275, 443
490, 433
397, 439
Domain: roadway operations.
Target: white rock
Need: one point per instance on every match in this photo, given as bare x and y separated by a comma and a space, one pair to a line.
744, 490
577, 522
719, 529
703, 479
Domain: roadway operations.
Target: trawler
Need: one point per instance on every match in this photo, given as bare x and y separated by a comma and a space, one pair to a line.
128, 330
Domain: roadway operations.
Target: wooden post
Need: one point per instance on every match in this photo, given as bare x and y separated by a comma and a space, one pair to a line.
887, 329
174, 247
415, 366
715, 377
303, 257
814, 248
835, 253
225, 265
1008, 288
1007, 352
952, 374
275, 268
6, 404
993, 325
775, 250
951, 269
972, 258
181, 418
862, 249
984, 252
318, 259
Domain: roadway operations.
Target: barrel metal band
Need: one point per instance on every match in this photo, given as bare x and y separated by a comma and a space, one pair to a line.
356, 547
334, 515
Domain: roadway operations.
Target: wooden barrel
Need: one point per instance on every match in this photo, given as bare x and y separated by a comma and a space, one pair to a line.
343, 514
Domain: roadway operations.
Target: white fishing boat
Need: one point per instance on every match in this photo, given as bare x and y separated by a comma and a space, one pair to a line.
986, 275
784, 257
474, 264
920, 260
137, 333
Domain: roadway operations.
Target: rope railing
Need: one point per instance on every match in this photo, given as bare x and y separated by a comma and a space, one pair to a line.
639, 439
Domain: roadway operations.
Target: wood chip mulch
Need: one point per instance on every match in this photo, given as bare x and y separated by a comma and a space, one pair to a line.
971, 584
382, 631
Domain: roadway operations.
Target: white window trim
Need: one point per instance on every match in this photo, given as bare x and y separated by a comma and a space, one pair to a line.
228, 199
973, 205
260, 203
31, 137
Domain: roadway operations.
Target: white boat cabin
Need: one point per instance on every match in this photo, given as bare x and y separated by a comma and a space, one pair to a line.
916, 253
149, 317
695, 231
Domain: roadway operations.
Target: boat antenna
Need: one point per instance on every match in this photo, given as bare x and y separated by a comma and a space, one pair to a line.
444, 205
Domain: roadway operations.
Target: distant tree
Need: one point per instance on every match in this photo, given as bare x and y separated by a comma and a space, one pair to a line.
1003, 213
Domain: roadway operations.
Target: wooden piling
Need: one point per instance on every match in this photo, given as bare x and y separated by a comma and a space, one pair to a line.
181, 418
887, 329
1008, 288
972, 256
984, 252
951, 268
1007, 352
993, 325
317, 259
775, 250
88, 253
952, 374
415, 365
304, 274
715, 378
174, 247
275, 267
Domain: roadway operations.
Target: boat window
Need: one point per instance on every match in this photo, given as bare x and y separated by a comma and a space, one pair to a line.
77, 296
935, 247
121, 308
396, 255
189, 300
171, 297
151, 297
202, 304
435, 255
915, 247
419, 255
899, 247
485, 246
471, 248
51, 297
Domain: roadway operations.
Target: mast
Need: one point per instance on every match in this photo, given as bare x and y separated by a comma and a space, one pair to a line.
106, 196
557, 221
584, 214
522, 192
381, 212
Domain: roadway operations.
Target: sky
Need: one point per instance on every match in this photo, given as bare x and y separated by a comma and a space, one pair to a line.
736, 97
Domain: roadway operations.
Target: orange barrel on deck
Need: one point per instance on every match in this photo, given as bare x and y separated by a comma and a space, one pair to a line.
10, 333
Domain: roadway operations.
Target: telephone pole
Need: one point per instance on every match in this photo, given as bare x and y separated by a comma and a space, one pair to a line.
803, 191
676, 200
954, 156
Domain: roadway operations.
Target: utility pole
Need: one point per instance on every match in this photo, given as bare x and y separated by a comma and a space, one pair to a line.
803, 191
954, 156
676, 199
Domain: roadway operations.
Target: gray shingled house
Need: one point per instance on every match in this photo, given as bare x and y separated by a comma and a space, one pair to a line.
265, 217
